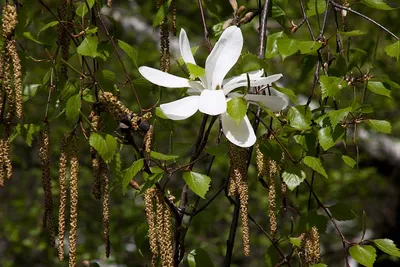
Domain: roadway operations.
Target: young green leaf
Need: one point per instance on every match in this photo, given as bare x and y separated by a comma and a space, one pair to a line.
363, 254
237, 108
299, 117
342, 212
319, 265
293, 176
29, 36
337, 116
48, 25
287, 47
352, 33
295, 241
73, 108
197, 182
129, 50
199, 258
315, 164
88, 47
195, 71
378, 88
349, 161
331, 86
161, 13
308, 47
387, 246
380, 125
377, 4
315, 6
105, 147
29, 91
272, 44
160, 156
131, 172
393, 50
83, 9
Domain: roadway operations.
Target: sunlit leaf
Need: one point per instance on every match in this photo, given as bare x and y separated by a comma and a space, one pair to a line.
160, 156
29, 36
293, 176
48, 25
380, 125
387, 246
331, 86
197, 182
237, 108
315, 6
131, 172
88, 47
129, 50
195, 71
315, 164
377, 4
393, 50
161, 13
272, 44
352, 33
73, 108
378, 88
349, 161
363, 254
299, 117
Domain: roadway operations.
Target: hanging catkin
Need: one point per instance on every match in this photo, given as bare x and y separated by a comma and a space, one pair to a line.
73, 180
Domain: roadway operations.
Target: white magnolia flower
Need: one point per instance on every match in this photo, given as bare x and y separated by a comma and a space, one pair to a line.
211, 94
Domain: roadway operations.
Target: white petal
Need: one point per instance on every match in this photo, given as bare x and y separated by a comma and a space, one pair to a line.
212, 102
241, 135
253, 82
162, 78
274, 103
184, 47
243, 77
181, 109
223, 56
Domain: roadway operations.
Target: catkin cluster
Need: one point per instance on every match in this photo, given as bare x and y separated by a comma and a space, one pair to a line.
66, 11
44, 156
100, 188
311, 247
238, 186
158, 217
164, 40
267, 167
115, 107
69, 152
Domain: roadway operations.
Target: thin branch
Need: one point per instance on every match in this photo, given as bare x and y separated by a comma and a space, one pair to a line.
263, 30
364, 17
203, 20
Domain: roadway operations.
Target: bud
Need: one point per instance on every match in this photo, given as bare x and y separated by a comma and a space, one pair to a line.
241, 10
234, 4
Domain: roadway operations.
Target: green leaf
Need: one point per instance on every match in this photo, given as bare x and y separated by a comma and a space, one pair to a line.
129, 50
272, 44
328, 138
160, 114
48, 25
313, 5
212, 8
160, 156
308, 47
105, 147
151, 180
161, 13
378, 88
319, 265
352, 33
83, 9
293, 176
237, 108
357, 58
249, 62
377, 4
27, 131
337, 116
199, 258
387, 246
70, 88
87, 96
73, 108
299, 117
393, 50
315, 164
363, 254
195, 71
295, 241
380, 125
29, 36
276, 11
88, 47
271, 150
219, 150
106, 78
310, 219
29, 91
197, 182
342, 212
289, 93
287, 47
349, 161
131, 172
331, 86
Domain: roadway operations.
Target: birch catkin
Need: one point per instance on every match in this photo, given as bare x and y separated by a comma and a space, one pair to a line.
74, 165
